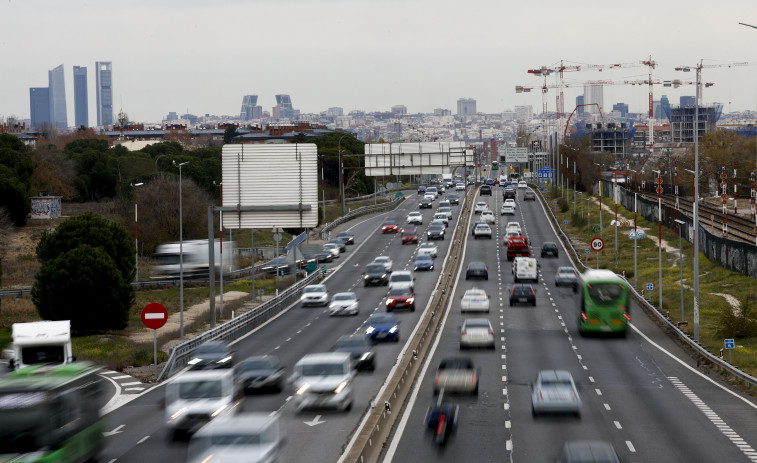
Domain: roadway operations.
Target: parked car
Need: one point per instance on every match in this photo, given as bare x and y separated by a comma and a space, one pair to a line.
260, 373
485, 190
476, 270
549, 248
482, 230
425, 203
382, 327
212, 355
480, 207
428, 248
555, 392
476, 332
475, 300
400, 298
389, 226
315, 295
345, 303
567, 276
423, 262
347, 236
529, 195
375, 274
360, 349
386, 261
522, 293
415, 217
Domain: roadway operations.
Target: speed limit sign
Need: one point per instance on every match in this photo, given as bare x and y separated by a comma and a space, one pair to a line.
597, 244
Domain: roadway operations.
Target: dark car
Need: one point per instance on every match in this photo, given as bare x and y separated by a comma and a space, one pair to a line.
347, 236
400, 298
422, 190
529, 196
410, 236
476, 270
424, 262
382, 327
341, 243
435, 232
522, 293
549, 248
360, 349
322, 256
453, 198
375, 274
390, 226
486, 190
508, 193
212, 355
260, 373
425, 204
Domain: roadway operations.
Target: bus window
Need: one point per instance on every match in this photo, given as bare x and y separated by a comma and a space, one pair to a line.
605, 292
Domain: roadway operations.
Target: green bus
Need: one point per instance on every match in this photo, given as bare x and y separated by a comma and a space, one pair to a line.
495, 165
603, 305
51, 413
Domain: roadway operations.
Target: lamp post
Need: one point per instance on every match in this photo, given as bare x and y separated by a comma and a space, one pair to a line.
616, 224
181, 257
599, 190
136, 233
659, 229
635, 232
220, 230
341, 171
680, 260
156, 161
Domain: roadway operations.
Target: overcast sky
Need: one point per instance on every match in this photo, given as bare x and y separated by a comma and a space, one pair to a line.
203, 56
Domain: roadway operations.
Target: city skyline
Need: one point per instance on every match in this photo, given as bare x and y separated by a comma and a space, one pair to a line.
358, 56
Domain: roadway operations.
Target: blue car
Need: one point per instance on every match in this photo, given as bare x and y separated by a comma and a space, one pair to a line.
382, 327
424, 262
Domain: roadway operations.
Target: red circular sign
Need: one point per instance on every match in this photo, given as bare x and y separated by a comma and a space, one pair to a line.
659, 189
723, 176
597, 244
154, 315
659, 181
724, 196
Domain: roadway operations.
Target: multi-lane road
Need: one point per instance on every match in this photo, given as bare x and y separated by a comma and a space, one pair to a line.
641, 393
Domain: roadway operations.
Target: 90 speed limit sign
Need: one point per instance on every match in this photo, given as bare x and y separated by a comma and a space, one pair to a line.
597, 244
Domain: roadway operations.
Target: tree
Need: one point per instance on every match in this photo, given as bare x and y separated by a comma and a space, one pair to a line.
15, 171
87, 265
53, 173
230, 133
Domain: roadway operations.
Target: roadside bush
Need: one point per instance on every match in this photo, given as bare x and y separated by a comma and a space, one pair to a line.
562, 203
577, 220
738, 323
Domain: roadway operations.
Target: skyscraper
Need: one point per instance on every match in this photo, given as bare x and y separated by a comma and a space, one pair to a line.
250, 109
466, 107
39, 106
284, 108
689, 101
81, 102
104, 91
593, 94
57, 94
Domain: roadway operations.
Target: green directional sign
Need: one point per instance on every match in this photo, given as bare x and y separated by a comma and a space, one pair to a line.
596, 228
398, 194
311, 267
323, 269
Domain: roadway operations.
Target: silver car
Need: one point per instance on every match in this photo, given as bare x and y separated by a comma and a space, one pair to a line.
555, 392
476, 332
344, 304
332, 248
428, 248
566, 276
315, 295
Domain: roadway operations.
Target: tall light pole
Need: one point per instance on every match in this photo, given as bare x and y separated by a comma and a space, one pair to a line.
754, 183
136, 233
635, 232
659, 230
680, 260
220, 230
181, 257
341, 170
156, 161
599, 190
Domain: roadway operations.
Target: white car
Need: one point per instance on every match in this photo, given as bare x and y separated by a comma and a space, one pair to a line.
522, 184
415, 217
482, 230
460, 186
487, 216
475, 300
428, 248
507, 209
513, 226
511, 202
555, 392
344, 304
244, 437
385, 261
431, 196
333, 248
476, 332
480, 207
446, 210
315, 295
442, 216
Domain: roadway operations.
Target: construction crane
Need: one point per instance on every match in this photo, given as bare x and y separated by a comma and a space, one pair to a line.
701, 66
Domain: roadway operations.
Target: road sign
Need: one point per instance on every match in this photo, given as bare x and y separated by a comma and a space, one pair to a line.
659, 189
650, 286
724, 196
587, 251
730, 344
597, 244
565, 222
276, 230
154, 315
323, 269
596, 228
659, 181
311, 267
277, 237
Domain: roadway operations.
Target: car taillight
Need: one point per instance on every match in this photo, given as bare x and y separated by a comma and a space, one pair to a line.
473, 379
438, 378
532, 291
627, 317
583, 315
465, 332
491, 333
440, 426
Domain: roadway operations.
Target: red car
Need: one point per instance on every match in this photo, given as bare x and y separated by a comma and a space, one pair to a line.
400, 298
390, 226
409, 236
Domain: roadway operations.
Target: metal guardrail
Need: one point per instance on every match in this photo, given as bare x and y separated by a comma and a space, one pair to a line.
15, 292
699, 350
236, 327
324, 233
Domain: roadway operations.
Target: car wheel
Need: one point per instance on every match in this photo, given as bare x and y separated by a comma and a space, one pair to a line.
365, 285
467, 277
533, 412
511, 303
388, 309
348, 407
533, 303
412, 309
486, 278
397, 338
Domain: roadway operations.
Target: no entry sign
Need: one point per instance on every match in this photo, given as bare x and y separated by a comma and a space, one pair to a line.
154, 315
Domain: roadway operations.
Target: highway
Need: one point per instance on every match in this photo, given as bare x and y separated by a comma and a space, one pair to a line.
317, 435
648, 404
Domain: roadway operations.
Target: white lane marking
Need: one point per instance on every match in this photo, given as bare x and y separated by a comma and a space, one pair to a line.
134, 389
143, 439
121, 377
509, 444
598, 391
607, 407
591, 378
506, 406
617, 424
507, 424
134, 383
630, 446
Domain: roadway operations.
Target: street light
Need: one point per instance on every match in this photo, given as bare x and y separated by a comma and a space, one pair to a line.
599, 190
341, 170
136, 233
156, 161
680, 260
181, 257
220, 230
659, 229
635, 232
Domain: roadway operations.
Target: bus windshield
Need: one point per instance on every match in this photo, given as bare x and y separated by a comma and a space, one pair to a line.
605, 293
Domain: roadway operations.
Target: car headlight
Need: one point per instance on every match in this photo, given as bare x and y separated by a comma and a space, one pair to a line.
219, 411
394, 329
225, 359
389, 301
341, 386
194, 361
411, 300
178, 413
301, 390
415, 268
370, 330
365, 277
383, 275
365, 356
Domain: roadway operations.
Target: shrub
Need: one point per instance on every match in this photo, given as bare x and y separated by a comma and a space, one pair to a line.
738, 322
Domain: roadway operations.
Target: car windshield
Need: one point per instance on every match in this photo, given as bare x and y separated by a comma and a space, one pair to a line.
201, 389
256, 364
352, 342
329, 246
566, 271
211, 349
435, 227
322, 369
381, 259
396, 278
344, 297
423, 258
555, 382
476, 324
315, 289
381, 319
476, 265
390, 222
605, 292
428, 246
400, 292
374, 269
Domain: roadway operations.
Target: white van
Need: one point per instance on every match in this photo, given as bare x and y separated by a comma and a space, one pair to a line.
525, 268
323, 381
402, 279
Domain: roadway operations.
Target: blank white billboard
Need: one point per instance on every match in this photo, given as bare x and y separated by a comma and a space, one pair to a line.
275, 179
415, 158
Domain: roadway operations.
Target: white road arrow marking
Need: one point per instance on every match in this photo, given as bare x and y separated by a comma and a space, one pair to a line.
115, 431
316, 420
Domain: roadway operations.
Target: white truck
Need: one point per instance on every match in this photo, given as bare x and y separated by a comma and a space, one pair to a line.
447, 180
41, 342
196, 258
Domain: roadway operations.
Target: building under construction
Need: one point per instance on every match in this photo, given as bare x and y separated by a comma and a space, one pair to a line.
612, 137
682, 127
